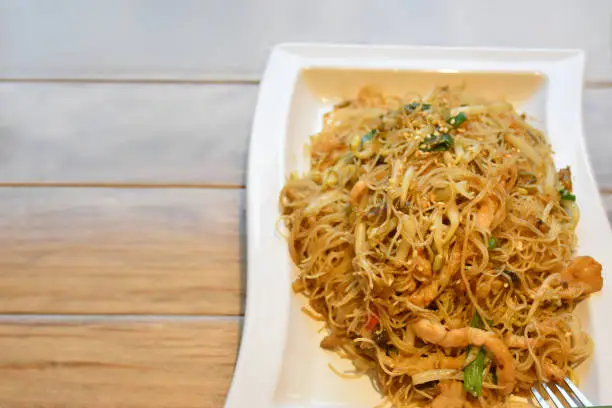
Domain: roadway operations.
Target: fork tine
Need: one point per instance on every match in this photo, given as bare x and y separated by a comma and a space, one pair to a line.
553, 397
572, 403
581, 397
539, 397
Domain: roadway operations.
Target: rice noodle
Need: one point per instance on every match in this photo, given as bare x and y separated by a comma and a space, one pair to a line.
408, 215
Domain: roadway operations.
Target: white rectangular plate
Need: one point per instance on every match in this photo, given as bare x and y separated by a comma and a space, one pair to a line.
280, 363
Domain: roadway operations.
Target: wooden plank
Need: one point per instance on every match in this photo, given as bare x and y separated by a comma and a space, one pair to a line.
124, 133
200, 40
117, 363
105, 250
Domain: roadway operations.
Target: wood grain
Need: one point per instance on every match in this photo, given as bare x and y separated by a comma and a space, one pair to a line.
199, 39
115, 251
124, 133
153, 363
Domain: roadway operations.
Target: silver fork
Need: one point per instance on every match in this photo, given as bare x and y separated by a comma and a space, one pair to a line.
570, 397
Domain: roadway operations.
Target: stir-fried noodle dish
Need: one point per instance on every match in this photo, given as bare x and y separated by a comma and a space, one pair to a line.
435, 239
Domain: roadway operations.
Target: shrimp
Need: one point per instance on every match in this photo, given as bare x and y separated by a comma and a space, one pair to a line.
328, 149
357, 192
425, 294
520, 342
571, 292
436, 333
551, 371
324, 145
581, 277
452, 395
483, 289
585, 273
485, 214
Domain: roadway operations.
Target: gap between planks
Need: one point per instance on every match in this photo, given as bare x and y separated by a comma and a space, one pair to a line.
120, 185
210, 80
93, 318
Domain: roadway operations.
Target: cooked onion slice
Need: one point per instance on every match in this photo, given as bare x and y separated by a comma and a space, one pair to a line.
437, 375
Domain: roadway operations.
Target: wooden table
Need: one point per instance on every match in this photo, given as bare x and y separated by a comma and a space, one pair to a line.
123, 145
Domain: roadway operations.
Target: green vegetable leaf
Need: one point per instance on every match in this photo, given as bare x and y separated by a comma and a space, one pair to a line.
566, 195
472, 374
414, 105
477, 321
457, 120
368, 136
492, 243
436, 143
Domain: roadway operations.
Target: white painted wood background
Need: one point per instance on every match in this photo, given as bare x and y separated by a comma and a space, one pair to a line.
216, 50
